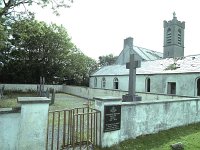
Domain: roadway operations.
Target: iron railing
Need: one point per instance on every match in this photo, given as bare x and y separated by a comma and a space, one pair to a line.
73, 128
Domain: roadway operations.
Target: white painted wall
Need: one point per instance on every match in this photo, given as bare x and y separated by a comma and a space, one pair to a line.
142, 118
9, 127
123, 82
90, 93
31, 87
185, 83
25, 130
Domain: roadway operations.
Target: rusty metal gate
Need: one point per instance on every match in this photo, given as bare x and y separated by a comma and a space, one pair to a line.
73, 128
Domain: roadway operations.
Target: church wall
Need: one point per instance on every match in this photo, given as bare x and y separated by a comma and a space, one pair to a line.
123, 82
185, 83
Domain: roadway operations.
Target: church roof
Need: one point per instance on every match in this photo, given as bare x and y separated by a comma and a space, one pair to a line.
189, 64
147, 54
140, 54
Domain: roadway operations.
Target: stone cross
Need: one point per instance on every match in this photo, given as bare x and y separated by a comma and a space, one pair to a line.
132, 65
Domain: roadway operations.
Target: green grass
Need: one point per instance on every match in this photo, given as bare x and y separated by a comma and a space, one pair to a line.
10, 98
188, 135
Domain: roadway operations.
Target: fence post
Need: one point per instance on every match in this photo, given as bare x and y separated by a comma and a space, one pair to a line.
33, 123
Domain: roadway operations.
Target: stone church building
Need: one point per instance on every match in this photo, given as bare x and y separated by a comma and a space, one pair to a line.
167, 73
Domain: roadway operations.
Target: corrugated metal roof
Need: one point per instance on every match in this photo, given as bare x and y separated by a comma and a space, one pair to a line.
147, 54
162, 66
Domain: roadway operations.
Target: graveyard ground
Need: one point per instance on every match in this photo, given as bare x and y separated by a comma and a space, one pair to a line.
62, 100
188, 135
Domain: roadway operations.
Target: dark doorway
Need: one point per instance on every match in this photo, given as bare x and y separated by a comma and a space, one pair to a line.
171, 88
198, 87
148, 83
116, 83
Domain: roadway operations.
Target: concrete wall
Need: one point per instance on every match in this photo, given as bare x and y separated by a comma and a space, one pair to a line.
25, 128
185, 83
29, 87
9, 127
140, 118
89, 93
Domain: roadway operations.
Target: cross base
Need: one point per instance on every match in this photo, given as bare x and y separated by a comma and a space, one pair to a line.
131, 98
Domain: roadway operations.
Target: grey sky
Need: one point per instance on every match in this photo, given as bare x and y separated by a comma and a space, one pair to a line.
98, 27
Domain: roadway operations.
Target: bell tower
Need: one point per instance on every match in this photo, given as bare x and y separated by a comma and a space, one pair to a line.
173, 38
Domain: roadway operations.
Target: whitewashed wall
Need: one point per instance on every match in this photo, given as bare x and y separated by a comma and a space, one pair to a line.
90, 93
9, 127
185, 83
123, 82
148, 117
31, 87
25, 129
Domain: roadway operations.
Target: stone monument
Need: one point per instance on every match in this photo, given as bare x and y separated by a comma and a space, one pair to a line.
132, 65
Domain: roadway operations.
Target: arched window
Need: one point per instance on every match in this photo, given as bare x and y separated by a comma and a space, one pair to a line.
116, 83
103, 82
95, 82
179, 36
148, 84
198, 86
169, 36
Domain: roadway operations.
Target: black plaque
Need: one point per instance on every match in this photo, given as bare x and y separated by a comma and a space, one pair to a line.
112, 118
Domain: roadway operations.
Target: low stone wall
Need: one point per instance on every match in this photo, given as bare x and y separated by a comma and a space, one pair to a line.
90, 93
30, 87
25, 128
9, 127
140, 118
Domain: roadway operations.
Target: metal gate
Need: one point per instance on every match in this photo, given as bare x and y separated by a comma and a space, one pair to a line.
73, 128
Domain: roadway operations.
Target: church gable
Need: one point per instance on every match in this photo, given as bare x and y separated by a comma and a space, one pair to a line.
140, 53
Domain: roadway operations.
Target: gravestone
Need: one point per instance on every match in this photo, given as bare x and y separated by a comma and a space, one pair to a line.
132, 65
40, 87
2, 91
177, 146
48, 93
52, 91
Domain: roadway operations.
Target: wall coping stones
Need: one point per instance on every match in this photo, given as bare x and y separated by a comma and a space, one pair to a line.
108, 98
26, 100
114, 99
10, 110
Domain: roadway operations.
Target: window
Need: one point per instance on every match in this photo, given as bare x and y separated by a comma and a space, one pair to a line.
171, 88
116, 83
95, 82
179, 37
148, 82
169, 36
103, 82
167, 53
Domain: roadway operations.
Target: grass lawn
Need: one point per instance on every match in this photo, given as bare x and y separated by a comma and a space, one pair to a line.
62, 101
188, 135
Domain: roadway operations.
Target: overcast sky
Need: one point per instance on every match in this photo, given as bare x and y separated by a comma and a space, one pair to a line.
99, 27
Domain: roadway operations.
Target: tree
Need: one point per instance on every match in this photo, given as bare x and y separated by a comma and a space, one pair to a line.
8, 7
37, 49
107, 60
78, 68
